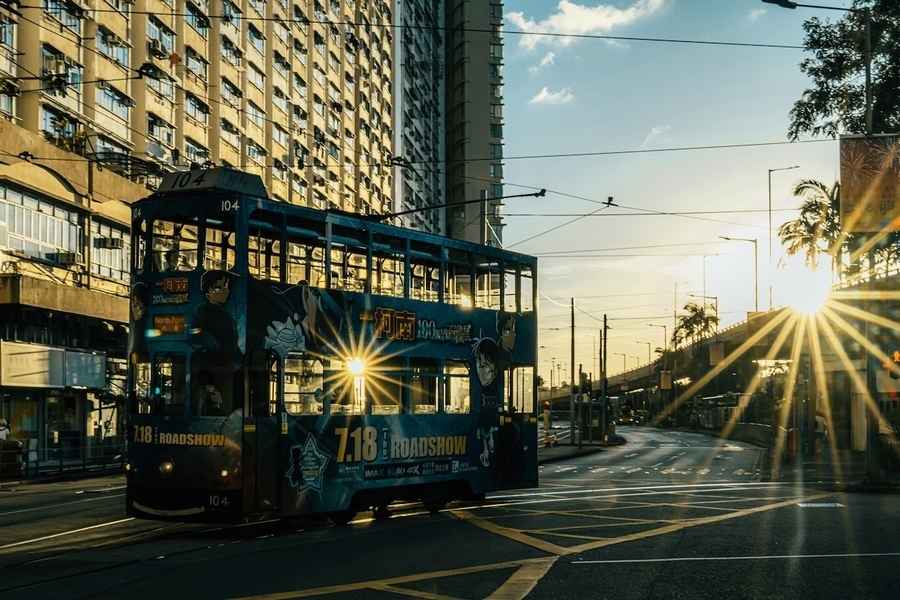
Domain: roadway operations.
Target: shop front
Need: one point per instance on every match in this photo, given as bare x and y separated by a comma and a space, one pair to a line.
56, 404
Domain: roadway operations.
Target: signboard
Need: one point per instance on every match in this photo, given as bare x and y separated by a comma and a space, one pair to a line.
169, 324
870, 184
402, 326
35, 366
172, 290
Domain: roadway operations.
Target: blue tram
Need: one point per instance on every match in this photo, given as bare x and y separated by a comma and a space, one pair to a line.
287, 361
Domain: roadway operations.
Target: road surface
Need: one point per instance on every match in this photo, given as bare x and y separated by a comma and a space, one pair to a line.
668, 515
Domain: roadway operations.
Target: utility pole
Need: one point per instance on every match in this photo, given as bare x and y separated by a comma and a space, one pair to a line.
604, 380
572, 371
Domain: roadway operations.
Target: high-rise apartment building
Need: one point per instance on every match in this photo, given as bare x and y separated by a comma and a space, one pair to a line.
96, 98
420, 116
474, 101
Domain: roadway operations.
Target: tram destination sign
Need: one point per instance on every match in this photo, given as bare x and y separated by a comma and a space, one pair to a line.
404, 326
171, 290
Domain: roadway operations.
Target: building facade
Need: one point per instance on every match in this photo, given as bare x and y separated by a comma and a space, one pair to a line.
474, 101
420, 116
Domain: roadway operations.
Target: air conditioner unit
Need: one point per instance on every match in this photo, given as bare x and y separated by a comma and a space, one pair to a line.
67, 258
108, 243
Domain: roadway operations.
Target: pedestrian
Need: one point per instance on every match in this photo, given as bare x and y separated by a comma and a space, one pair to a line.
4, 430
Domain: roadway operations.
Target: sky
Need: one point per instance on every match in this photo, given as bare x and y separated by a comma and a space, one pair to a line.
565, 95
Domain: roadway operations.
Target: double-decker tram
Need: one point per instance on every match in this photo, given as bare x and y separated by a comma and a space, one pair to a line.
286, 360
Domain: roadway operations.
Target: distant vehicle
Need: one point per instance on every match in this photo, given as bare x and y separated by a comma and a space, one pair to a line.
286, 360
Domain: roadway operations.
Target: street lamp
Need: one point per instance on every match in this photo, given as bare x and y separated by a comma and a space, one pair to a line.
665, 336
624, 360
649, 345
770, 224
867, 16
637, 360
755, 243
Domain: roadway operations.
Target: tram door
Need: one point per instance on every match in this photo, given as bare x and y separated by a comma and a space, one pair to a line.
261, 435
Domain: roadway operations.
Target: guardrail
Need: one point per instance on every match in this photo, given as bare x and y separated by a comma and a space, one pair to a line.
16, 462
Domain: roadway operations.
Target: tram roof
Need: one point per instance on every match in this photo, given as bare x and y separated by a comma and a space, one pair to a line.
221, 181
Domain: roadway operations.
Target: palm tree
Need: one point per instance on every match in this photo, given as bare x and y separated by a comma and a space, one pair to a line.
694, 324
817, 229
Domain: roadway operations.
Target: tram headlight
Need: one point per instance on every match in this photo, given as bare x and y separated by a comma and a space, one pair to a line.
224, 473
356, 367
166, 467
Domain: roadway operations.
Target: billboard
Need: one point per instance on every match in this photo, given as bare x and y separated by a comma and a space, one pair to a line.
870, 183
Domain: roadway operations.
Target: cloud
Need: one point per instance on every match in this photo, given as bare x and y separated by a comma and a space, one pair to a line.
573, 18
545, 96
755, 14
654, 133
548, 60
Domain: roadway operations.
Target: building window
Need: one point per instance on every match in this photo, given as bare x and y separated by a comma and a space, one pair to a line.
256, 39
160, 130
230, 133
113, 47
162, 35
195, 108
67, 13
299, 86
57, 124
496, 51
497, 111
255, 151
231, 93
110, 251
194, 151
36, 227
195, 64
280, 135
319, 43
496, 150
163, 86
196, 19
256, 77
255, 114
113, 101
231, 15
55, 63
279, 100
496, 170
7, 32
495, 70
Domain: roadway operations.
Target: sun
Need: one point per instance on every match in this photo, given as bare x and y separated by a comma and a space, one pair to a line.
802, 288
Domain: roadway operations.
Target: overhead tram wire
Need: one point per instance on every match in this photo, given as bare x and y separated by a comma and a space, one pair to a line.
615, 249
655, 213
491, 31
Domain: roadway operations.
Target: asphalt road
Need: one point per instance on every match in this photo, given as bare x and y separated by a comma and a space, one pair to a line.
668, 515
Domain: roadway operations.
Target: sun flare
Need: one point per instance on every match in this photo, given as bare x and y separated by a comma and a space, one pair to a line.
804, 289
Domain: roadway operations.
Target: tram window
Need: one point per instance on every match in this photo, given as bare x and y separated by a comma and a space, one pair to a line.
384, 387
169, 388
458, 284
456, 397
141, 381
425, 282
519, 385
387, 276
348, 393
211, 387
488, 287
264, 258
219, 251
304, 384
305, 263
140, 246
526, 290
174, 246
423, 387
348, 269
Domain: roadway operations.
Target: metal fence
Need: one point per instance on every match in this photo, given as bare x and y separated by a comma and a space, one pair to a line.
16, 462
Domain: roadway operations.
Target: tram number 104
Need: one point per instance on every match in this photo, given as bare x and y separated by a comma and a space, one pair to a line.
357, 444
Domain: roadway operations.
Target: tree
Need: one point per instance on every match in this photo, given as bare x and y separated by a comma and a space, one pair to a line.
694, 324
817, 229
835, 103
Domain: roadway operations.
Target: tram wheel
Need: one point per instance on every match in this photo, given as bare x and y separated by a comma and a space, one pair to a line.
342, 517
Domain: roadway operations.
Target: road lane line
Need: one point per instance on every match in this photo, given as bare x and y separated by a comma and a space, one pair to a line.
714, 558
523, 580
64, 533
667, 486
62, 505
396, 581
399, 591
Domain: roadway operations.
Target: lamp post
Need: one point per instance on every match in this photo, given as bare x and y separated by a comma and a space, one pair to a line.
637, 360
624, 360
771, 299
665, 336
649, 345
755, 243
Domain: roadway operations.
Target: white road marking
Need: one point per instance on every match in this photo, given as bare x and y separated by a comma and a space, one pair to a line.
713, 558
668, 486
820, 505
64, 533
